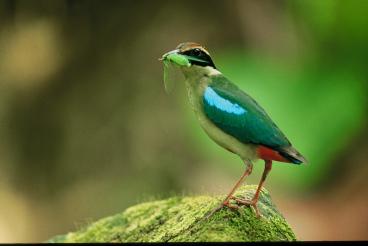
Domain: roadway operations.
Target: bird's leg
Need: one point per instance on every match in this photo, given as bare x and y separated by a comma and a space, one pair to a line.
253, 202
226, 201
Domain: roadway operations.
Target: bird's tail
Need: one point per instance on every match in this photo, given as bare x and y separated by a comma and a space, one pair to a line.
293, 155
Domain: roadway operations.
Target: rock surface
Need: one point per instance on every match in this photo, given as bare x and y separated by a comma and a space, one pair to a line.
181, 219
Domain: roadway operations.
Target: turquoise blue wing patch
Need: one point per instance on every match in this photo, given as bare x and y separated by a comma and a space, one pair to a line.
237, 114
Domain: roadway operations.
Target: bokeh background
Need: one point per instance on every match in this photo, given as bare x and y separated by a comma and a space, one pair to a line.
86, 128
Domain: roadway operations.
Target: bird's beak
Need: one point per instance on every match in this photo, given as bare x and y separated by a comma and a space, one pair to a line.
164, 56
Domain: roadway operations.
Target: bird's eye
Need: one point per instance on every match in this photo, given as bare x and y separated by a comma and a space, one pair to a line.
196, 52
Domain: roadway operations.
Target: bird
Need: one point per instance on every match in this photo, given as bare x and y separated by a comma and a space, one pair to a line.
231, 118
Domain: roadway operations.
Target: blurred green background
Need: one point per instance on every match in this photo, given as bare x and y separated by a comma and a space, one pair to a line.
87, 129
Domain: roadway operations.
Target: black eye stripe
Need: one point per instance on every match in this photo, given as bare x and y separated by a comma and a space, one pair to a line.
201, 55
193, 52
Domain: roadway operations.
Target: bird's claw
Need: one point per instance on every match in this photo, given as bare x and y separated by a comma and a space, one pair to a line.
223, 204
252, 203
227, 204
239, 201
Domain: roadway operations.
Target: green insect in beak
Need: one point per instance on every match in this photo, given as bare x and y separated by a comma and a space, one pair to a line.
174, 57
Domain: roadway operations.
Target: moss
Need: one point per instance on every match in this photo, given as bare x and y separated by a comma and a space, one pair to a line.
180, 219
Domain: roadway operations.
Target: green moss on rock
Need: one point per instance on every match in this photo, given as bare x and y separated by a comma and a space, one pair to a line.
181, 219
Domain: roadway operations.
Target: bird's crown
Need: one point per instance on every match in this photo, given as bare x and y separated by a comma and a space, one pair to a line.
187, 46
197, 54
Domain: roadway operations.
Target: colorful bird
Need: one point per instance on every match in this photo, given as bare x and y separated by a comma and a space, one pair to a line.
231, 118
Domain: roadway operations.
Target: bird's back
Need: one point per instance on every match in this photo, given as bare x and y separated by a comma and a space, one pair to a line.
239, 115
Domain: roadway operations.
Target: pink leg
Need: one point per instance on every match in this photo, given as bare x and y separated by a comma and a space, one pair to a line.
226, 202
253, 202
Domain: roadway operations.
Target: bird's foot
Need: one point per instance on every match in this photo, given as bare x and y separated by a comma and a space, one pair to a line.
223, 204
252, 203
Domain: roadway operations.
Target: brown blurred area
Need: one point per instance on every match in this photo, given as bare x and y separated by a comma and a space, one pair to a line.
87, 129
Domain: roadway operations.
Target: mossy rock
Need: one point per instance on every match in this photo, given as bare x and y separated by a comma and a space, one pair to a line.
181, 219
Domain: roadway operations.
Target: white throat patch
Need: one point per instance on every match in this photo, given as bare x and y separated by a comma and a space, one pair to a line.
212, 71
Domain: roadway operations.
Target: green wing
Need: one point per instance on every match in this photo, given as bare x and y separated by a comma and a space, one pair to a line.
237, 114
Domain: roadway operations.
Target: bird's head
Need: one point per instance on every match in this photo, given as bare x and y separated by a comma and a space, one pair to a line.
189, 54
